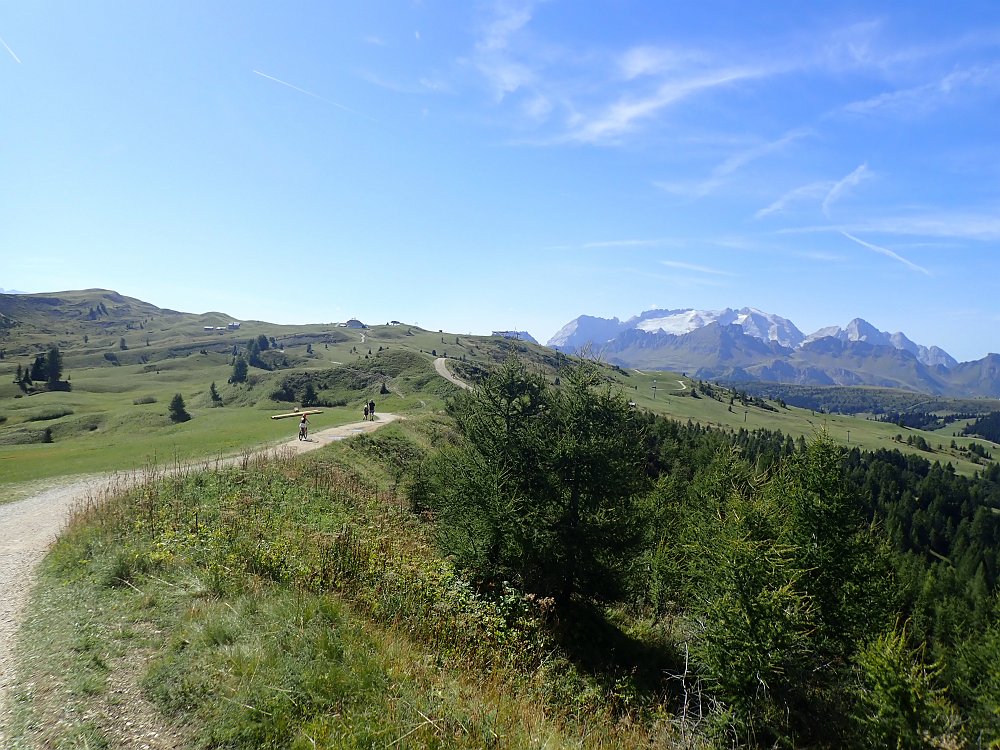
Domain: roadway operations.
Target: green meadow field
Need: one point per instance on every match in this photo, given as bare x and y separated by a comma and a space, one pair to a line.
124, 371
116, 417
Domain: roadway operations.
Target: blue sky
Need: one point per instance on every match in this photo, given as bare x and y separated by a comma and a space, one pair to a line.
496, 165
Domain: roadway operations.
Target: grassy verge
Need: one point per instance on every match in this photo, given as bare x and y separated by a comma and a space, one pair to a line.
295, 605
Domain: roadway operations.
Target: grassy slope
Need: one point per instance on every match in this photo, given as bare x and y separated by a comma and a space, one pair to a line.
856, 431
293, 605
115, 418
98, 426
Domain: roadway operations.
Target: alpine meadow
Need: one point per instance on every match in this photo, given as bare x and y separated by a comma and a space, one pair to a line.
506, 375
551, 554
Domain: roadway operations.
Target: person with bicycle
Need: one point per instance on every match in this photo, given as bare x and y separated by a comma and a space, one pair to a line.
304, 428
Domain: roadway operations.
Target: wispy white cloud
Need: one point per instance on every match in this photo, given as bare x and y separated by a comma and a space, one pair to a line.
958, 225
423, 85
739, 160
731, 165
621, 243
851, 47
646, 60
887, 58
537, 108
813, 190
374, 40
16, 58
920, 100
508, 19
843, 185
433, 84
694, 267
624, 115
507, 76
888, 253
493, 57
821, 256
608, 97
868, 46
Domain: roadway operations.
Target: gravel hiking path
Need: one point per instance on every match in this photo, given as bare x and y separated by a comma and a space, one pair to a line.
442, 370
28, 528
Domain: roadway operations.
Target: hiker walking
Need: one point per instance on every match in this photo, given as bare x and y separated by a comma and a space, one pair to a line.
366, 412
371, 409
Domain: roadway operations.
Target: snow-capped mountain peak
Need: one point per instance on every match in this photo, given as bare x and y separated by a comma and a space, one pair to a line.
861, 330
585, 330
756, 323
595, 332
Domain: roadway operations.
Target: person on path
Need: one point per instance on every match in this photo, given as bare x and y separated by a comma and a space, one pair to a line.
371, 409
366, 412
304, 428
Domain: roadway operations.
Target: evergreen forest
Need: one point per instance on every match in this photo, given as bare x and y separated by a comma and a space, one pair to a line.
802, 594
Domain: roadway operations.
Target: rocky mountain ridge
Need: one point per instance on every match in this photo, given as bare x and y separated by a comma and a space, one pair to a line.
751, 345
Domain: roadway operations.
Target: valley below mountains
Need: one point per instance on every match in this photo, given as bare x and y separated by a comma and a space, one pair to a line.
749, 345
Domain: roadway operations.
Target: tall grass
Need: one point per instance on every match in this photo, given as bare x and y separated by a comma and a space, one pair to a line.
305, 608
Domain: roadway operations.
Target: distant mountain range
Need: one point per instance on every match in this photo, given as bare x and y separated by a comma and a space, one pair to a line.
752, 345
745, 345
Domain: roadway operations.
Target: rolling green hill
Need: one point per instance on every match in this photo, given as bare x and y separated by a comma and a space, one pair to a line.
318, 593
125, 359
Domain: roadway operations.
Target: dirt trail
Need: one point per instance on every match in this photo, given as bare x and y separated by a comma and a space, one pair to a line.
440, 364
29, 527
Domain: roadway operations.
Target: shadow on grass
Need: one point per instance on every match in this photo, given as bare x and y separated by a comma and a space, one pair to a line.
600, 648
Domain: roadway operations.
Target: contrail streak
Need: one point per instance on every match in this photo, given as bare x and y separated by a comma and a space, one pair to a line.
308, 93
16, 58
888, 253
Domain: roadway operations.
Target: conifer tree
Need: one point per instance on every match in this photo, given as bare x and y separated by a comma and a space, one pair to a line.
542, 489
38, 368
240, 370
53, 365
177, 410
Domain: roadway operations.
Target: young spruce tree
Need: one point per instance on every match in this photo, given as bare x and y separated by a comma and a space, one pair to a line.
177, 410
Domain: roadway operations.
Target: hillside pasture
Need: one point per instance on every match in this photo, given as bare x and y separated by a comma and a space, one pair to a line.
851, 430
115, 416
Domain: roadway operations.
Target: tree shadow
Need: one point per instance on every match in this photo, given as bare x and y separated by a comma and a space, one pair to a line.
598, 647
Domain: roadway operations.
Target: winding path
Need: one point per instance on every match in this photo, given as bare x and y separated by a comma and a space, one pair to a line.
442, 370
29, 527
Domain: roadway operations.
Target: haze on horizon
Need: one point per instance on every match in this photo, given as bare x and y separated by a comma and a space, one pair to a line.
510, 165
